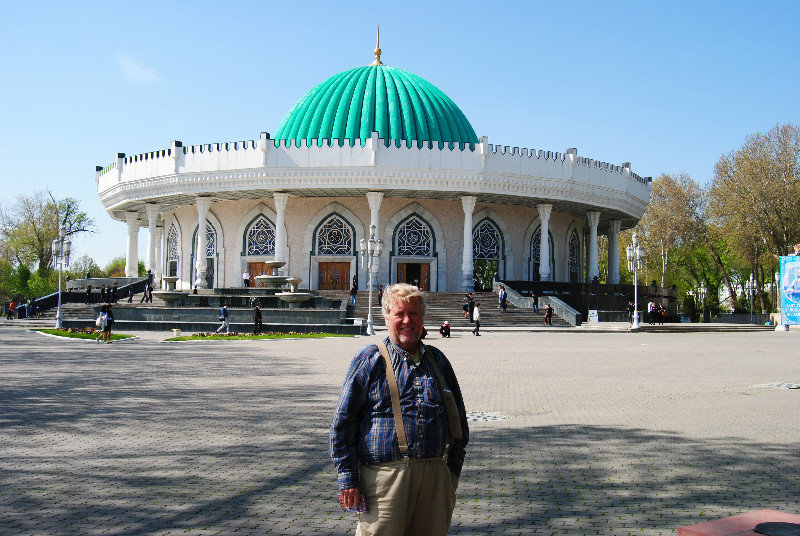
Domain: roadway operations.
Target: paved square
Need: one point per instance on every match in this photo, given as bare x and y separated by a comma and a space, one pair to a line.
601, 433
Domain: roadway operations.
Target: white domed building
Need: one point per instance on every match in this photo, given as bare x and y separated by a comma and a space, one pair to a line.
372, 146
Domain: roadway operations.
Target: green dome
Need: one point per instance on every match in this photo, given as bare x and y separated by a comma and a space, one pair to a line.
394, 103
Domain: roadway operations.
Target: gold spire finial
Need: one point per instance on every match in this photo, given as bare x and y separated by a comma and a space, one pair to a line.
377, 50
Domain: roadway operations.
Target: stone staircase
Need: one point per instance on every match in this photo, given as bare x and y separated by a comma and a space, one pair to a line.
447, 306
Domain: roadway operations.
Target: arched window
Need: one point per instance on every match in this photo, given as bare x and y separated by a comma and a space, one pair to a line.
211, 240
334, 237
486, 241
211, 253
172, 251
487, 249
414, 238
574, 257
536, 249
260, 237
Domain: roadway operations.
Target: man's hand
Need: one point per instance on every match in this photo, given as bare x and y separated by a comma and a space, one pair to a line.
351, 498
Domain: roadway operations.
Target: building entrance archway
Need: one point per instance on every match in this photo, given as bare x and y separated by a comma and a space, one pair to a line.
414, 273
334, 276
258, 268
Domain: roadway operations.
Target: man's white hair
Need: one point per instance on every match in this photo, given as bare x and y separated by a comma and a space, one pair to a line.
402, 293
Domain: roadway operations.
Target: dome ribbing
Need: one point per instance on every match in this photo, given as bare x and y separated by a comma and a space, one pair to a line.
394, 103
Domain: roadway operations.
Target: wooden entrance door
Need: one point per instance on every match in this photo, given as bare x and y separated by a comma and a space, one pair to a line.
414, 274
258, 268
334, 276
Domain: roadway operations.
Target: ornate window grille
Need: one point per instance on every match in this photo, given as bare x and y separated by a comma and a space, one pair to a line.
574, 257
211, 240
536, 250
414, 238
334, 238
261, 238
172, 243
486, 242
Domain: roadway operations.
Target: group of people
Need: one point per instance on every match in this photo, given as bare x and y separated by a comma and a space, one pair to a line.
656, 312
224, 317
28, 308
108, 294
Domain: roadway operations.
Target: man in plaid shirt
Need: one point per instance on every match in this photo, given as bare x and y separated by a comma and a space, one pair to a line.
403, 495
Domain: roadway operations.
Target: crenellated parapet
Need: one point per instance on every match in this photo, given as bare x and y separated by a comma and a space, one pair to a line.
272, 165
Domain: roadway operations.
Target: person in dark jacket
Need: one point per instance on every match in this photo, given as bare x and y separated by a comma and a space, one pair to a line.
257, 325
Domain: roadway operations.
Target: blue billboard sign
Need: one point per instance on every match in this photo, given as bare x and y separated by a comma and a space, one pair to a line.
790, 290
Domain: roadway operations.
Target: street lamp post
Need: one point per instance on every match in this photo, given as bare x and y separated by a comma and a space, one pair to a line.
750, 288
701, 292
370, 252
61, 249
635, 254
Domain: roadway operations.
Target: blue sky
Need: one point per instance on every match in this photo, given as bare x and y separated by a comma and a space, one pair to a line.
668, 86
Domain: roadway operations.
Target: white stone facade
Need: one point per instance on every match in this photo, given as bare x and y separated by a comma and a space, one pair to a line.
418, 197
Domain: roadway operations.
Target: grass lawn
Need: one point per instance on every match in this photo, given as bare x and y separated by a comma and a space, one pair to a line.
245, 336
80, 335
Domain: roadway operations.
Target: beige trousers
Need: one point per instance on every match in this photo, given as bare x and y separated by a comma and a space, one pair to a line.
414, 498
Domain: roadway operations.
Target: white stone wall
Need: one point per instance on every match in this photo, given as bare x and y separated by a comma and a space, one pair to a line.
303, 214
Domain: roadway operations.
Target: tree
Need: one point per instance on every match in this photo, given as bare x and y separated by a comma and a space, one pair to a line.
84, 265
29, 226
672, 217
755, 192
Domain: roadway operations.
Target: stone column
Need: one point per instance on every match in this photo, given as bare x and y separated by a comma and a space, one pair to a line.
375, 199
203, 204
468, 204
132, 257
544, 243
281, 198
613, 251
594, 221
152, 219
159, 257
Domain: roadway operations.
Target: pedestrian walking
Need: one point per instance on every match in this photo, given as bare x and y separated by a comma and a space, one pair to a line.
470, 307
535, 302
548, 316
503, 299
102, 322
103, 294
476, 316
465, 305
380, 294
114, 291
223, 316
88, 294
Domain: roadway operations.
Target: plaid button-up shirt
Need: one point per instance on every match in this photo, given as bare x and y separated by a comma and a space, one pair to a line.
363, 427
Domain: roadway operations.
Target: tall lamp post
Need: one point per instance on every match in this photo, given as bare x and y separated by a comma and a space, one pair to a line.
370, 252
750, 288
61, 249
701, 293
635, 263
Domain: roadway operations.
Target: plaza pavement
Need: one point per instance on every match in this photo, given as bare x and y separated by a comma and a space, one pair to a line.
601, 433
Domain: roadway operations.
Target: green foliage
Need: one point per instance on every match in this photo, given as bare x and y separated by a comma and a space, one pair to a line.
20, 280
141, 269
29, 226
83, 265
114, 268
483, 273
6, 281
39, 285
